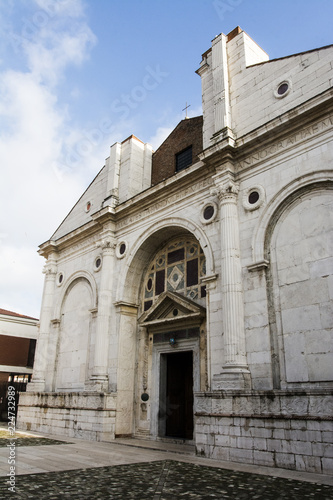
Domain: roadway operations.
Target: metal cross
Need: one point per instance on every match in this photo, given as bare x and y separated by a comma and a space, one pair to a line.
187, 106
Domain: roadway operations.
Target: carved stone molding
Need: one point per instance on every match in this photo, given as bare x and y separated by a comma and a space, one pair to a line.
226, 190
106, 244
50, 270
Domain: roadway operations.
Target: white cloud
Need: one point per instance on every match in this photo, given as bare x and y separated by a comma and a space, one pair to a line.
35, 130
21, 279
161, 134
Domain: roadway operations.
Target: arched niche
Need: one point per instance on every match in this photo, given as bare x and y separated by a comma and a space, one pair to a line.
298, 246
78, 299
277, 205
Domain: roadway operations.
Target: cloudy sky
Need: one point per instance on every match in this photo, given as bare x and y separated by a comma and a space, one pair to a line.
78, 75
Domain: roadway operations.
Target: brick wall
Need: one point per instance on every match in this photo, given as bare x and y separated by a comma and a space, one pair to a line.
14, 350
187, 133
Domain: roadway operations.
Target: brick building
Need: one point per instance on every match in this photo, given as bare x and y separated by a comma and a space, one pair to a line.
18, 334
188, 294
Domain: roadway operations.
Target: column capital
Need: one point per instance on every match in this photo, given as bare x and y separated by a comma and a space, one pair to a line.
50, 267
107, 244
50, 270
226, 189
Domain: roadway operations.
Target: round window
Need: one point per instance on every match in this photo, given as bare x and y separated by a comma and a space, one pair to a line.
282, 89
60, 279
253, 197
121, 249
208, 212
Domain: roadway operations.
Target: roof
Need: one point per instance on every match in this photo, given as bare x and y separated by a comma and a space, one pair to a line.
17, 315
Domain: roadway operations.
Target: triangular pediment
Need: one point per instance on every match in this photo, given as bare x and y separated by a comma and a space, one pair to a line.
171, 307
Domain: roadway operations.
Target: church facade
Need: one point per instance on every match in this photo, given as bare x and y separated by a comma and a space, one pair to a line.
188, 294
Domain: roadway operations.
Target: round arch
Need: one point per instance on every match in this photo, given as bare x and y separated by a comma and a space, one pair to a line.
148, 243
278, 204
85, 275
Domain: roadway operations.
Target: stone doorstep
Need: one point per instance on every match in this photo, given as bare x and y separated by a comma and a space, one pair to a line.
160, 445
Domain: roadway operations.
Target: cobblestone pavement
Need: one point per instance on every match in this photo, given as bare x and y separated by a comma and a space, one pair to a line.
29, 441
160, 480
22, 439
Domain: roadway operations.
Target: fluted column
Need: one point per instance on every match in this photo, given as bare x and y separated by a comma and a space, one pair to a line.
126, 370
99, 378
41, 354
235, 373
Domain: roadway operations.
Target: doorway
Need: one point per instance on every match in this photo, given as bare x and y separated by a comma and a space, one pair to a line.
176, 395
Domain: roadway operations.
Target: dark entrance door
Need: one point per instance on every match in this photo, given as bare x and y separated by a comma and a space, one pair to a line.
179, 395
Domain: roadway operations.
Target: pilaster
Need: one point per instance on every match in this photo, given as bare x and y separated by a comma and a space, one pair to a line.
41, 356
99, 378
235, 373
126, 367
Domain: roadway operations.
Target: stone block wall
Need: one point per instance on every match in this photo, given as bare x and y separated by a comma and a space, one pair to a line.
270, 428
79, 415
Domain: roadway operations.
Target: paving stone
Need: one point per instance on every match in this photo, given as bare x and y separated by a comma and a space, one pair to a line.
161, 480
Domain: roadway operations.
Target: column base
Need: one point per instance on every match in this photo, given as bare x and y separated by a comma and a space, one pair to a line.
36, 386
235, 379
98, 383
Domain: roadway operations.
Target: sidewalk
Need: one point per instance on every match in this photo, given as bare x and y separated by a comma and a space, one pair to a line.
129, 468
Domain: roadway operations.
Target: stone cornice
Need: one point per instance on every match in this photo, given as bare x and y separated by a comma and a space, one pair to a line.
297, 119
74, 237
269, 140
106, 214
181, 186
286, 131
221, 151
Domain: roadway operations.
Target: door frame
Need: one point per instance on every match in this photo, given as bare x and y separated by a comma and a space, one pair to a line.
159, 349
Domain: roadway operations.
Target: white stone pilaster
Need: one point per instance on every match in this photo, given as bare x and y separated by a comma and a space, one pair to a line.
235, 373
113, 164
222, 110
41, 356
126, 368
99, 378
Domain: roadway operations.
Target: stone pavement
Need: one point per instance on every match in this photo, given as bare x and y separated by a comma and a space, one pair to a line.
60, 468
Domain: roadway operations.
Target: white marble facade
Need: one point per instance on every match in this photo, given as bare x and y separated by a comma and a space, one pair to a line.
230, 259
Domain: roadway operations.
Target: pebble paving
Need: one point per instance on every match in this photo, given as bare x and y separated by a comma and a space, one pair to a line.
161, 480
22, 439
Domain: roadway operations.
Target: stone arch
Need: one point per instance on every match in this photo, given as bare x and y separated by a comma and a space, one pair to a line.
74, 307
277, 205
148, 243
297, 250
85, 275
133, 339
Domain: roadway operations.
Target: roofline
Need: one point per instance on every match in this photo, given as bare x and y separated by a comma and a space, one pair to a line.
184, 119
291, 55
4, 312
236, 31
132, 137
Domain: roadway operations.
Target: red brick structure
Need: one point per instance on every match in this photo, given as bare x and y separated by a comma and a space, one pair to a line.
187, 133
